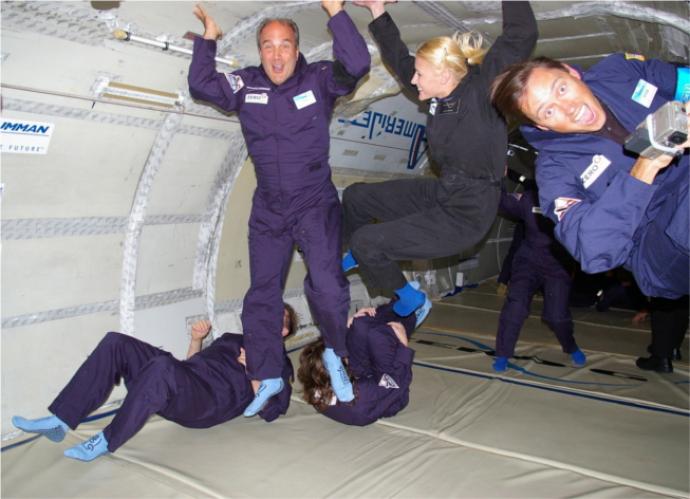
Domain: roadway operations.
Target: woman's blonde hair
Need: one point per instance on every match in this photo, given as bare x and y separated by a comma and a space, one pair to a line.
453, 52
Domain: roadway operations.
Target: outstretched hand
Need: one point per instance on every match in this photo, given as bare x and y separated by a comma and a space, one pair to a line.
200, 329
376, 7
332, 6
370, 311
211, 29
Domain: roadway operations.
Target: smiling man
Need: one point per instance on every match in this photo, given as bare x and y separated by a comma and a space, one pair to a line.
285, 107
611, 207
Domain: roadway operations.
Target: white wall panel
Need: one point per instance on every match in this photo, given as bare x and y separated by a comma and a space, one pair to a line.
166, 257
187, 175
90, 170
52, 273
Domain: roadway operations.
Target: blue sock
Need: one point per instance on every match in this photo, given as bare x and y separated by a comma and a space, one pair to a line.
267, 389
500, 364
410, 299
89, 449
51, 427
349, 261
579, 358
340, 381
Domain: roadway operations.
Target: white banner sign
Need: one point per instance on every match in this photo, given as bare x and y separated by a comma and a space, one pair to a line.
390, 136
24, 137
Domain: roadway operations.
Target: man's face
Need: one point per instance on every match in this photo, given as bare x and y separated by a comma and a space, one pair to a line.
427, 78
278, 51
559, 100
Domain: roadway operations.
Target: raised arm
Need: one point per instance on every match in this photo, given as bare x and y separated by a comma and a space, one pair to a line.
200, 330
205, 83
516, 42
352, 59
394, 52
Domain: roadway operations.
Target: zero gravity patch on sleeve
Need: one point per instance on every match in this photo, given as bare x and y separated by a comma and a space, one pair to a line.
562, 205
235, 82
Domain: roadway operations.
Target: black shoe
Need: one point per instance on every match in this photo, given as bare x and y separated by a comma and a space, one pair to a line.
676, 354
658, 364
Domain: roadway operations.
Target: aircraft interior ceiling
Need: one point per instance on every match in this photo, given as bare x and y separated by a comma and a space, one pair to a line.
129, 212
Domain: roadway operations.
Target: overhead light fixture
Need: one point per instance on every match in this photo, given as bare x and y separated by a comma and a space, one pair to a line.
104, 87
126, 36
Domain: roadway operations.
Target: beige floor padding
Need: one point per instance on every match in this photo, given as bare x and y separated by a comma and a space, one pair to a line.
538, 430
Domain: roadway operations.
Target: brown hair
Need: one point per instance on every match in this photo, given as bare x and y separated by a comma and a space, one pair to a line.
508, 88
312, 374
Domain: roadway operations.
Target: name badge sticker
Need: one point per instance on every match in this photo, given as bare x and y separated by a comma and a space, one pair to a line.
644, 93
304, 99
432, 107
256, 98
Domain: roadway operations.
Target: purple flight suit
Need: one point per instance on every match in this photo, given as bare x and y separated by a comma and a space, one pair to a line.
208, 389
539, 262
604, 216
381, 366
286, 128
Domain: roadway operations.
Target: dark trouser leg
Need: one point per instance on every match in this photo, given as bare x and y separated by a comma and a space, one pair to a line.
116, 356
166, 386
557, 312
524, 282
365, 203
662, 262
669, 320
262, 311
507, 265
318, 233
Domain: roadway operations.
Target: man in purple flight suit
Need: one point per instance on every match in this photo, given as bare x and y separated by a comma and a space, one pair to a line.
539, 262
284, 107
380, 362
209, 388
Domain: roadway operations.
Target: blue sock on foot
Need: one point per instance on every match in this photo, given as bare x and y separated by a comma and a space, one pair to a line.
579, 358
500, 364
349, 262
51, 427
340, 381
422, 312
267, 389
410, 299
89, 449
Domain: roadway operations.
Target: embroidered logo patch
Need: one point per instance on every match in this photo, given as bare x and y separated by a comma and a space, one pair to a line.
387, 382
594, 170
644, 93
256, 98
450, 107
562, 205
235, 82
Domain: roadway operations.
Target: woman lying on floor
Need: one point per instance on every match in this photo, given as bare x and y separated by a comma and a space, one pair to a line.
209, 388
379, 362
